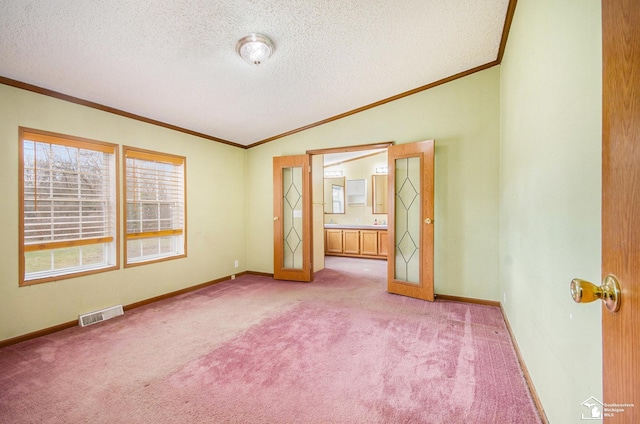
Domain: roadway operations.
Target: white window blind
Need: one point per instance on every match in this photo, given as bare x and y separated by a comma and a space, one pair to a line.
69, 205
155, 213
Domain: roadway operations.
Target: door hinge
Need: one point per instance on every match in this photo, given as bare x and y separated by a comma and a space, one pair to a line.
309, 169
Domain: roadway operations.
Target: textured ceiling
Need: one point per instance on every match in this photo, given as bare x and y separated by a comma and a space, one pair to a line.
174, 61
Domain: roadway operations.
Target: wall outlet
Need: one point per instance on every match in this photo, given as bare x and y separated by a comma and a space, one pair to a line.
504, 298
233, 277
236, 263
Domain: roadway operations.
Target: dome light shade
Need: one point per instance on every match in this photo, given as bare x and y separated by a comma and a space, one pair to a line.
255, 48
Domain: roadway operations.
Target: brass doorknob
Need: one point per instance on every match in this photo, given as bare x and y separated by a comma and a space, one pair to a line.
583, 291
428, 221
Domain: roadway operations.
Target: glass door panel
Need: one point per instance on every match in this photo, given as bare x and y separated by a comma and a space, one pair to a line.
407, 220
411, 169
292, 218
292, 253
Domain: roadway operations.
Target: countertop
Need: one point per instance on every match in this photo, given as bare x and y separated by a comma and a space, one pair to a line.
356, 227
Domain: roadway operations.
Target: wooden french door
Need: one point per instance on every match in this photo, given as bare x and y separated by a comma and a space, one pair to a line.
410, 260
621, 207
292, 218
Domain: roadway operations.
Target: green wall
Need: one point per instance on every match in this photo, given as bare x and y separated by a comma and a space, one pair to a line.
550, 196
215, 215
463, 118
517, 196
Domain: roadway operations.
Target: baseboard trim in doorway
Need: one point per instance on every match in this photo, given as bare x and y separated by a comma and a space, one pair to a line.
468, 300
523, 366
525, 372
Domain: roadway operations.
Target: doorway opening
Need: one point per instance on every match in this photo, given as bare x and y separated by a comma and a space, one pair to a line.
350, 202
407, 242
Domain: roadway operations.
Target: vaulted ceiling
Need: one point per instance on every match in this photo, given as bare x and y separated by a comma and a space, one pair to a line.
174, 61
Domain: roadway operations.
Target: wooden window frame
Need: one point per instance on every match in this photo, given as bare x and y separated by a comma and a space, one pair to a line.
112, 239
153, 156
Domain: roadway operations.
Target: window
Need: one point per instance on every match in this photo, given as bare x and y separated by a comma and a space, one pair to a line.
155, 224
68, 206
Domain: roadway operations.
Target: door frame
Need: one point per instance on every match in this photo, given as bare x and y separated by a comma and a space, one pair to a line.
343, 149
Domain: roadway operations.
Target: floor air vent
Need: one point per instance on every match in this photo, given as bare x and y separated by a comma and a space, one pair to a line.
101, 315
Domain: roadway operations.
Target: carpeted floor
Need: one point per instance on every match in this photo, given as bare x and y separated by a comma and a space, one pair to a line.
256, 350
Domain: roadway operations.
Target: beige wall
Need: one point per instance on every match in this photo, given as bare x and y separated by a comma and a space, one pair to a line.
551, 195
353, 170
215, 215
463, 118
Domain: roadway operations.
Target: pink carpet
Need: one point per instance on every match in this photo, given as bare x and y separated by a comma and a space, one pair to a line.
255, 350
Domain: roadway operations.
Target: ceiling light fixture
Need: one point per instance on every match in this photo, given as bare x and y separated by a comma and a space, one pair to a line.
255, 48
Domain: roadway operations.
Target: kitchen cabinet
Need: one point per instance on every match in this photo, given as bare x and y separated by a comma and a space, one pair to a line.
351, 242
333, 241
369, 242
383, 243
361, 242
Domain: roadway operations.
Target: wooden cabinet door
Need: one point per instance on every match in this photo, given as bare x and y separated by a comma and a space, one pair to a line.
369, 242
383, 243
351, 242
333, 241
